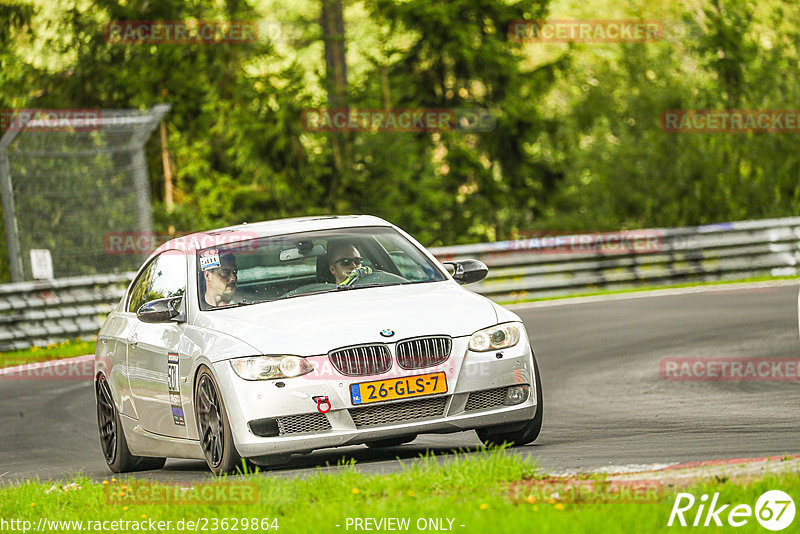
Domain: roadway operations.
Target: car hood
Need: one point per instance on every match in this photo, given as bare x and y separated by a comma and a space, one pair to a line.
315, 324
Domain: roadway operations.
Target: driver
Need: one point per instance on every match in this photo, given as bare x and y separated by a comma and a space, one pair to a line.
221, 282
343, 257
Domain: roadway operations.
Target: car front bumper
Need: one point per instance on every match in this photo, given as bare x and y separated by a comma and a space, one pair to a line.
476, 385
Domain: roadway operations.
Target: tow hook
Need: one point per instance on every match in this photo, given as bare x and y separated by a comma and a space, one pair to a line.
323, 404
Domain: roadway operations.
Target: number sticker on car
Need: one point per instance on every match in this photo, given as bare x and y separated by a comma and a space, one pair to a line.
174, 392
398, 388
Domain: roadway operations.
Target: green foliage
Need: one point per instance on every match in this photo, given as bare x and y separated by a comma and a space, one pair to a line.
15, 27
624, 171
232, 134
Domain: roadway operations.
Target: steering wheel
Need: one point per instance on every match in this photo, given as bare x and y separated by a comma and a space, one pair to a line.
379, 277
310, 288
356, 274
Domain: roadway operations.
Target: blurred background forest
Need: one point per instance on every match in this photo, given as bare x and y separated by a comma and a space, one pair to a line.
577, 144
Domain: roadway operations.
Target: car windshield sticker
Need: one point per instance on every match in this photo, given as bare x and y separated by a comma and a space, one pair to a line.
209, 260
174, 392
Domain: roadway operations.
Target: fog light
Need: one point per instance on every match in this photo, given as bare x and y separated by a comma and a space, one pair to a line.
516, 395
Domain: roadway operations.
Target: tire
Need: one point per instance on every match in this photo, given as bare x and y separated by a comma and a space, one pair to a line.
390, 442
517, 434
112, 437
214, 429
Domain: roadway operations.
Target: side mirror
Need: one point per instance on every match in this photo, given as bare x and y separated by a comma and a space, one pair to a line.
468, 271
159, 310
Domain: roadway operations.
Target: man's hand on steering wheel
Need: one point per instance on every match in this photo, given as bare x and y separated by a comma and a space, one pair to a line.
358, 272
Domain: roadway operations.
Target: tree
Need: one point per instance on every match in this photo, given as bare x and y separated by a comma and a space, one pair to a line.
483, 185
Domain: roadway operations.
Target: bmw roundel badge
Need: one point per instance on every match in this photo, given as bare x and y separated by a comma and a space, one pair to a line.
387, 333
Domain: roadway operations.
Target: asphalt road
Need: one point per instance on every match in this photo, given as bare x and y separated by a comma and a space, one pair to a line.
606, 403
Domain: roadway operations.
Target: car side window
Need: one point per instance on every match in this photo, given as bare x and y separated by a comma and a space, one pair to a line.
138, 294
169, 276
165, 276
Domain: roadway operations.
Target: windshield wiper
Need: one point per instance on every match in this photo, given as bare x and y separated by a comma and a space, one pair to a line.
318, 292
246, 302
385, 284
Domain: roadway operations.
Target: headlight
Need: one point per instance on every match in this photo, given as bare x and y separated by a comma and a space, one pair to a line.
501, 336
269, 367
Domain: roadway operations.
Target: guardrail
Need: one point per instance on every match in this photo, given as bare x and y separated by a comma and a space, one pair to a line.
550, 266
39, 313
43, 312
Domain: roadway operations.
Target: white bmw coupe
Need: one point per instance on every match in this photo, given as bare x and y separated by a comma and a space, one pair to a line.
246, 344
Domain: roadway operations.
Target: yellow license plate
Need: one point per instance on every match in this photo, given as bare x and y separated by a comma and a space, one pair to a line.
398, 388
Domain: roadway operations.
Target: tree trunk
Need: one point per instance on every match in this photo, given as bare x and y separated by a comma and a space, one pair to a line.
332, 23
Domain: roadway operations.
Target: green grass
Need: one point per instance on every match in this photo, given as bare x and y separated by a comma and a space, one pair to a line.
55, 351
474, 490
598, 292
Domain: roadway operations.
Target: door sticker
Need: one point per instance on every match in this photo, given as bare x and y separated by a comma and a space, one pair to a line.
174, 392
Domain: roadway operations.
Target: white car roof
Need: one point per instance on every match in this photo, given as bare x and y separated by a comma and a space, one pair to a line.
231, 234
303, 224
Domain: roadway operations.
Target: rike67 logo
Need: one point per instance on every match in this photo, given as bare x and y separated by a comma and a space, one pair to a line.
774, 510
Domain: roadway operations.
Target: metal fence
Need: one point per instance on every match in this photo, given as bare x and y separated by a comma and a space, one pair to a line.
43, 312
550, 266
67, 178
538, 267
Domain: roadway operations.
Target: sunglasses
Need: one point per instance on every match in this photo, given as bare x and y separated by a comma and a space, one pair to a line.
226, 273
347, 262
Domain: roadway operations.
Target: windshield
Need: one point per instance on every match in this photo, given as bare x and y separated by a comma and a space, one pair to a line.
294, 265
